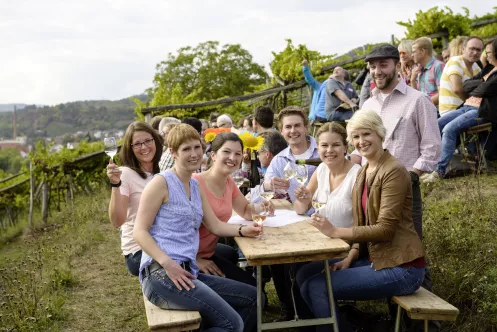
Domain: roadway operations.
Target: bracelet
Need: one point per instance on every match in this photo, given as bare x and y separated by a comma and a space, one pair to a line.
116, 185
240, 230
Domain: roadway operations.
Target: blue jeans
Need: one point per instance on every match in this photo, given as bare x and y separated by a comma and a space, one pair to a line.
133, 262
224, 304
359, 282
466, 117
340, 115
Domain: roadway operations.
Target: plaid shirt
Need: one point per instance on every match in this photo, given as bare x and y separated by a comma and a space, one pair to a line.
410, 118
429, 77
166, 161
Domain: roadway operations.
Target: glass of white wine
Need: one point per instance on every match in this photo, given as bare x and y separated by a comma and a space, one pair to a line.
238, 177
319, 200
301, 175
289, 171
259, 214
268, 194
110, 147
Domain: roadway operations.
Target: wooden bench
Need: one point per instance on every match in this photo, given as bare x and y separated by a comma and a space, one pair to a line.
170, 320
473, 135
424, 305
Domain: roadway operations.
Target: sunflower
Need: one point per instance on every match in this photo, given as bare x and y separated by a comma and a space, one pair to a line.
250, 141
209, 137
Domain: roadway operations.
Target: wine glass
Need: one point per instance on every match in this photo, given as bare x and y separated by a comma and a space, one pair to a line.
259, 214
110, 147
289, 171
238, 177
301, 176
319, 199
267, 194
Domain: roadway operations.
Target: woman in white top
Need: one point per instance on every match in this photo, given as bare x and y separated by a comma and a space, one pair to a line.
139, 155
335, 175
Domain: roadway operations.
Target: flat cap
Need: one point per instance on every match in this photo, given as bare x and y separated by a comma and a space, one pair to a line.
384, 51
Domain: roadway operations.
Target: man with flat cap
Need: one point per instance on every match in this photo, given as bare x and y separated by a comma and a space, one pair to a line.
412, 136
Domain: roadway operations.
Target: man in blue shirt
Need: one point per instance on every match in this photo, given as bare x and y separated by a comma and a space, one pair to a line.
319, 94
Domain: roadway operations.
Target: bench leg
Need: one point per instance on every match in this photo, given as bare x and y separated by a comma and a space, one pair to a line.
259, 298
397, 320
330, 295
426, 325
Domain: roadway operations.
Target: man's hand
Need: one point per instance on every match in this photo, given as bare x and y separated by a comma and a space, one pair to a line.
278, 183
209, 267
305, 63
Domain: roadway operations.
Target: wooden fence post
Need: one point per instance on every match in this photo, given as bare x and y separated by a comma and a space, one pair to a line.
44, 203
31, 194
71, 189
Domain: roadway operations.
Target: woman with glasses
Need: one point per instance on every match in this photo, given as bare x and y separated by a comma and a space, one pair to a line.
139, 156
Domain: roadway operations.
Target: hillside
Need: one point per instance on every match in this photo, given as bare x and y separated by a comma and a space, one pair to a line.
51, 121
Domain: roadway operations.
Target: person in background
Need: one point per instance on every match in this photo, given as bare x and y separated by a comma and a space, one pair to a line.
479, 108
155, 121
194, 122
140, 154
166, 161
172, 208
294, 124
365, 93
213, 119
387, 257
263, 120
224, 197
446, 54
406, 62
245, 124
341, 97
457, 70
205, 125
224, 121
456, 46
317, 111
426, 77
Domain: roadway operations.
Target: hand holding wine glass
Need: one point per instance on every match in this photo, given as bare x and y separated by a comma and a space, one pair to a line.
289, 171
301, 177
113, 172
319, 200
110, 147
259, 214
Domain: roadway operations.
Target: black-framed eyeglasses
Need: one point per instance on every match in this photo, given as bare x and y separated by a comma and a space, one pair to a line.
138, 145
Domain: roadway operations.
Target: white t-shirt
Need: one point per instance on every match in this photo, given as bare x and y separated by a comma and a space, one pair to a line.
338, 209
132, 186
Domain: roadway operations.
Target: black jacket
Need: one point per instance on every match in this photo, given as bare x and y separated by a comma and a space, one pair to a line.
487, 90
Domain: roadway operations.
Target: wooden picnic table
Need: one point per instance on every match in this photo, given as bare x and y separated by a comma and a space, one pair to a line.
298, 242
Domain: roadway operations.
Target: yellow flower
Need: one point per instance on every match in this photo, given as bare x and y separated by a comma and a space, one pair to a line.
250, 141
209, 137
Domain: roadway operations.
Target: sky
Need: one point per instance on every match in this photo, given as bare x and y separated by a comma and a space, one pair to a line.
53, 52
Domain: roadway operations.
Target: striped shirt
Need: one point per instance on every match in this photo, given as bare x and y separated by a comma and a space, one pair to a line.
449, 100
176, 226
166, 161
429, 77
410, 118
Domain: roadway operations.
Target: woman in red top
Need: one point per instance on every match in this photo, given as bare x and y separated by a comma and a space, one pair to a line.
224, 197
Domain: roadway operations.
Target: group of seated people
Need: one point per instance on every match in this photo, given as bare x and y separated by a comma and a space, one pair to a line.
173, 195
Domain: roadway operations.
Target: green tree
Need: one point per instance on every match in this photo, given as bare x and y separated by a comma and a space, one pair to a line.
488, 30
207, 71
11, 160
436, 20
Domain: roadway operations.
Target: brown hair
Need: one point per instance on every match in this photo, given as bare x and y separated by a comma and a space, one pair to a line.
155, 121
126, 154
219, 141
333, 127
292, 110
180, 134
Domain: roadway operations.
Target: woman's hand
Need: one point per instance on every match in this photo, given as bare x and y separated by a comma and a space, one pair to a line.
113, 172
268, 206
303, 194
209, 267
322, 224
342, 265
178, 276
253, 230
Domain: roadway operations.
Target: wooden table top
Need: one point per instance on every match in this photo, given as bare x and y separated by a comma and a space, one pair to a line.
298, 242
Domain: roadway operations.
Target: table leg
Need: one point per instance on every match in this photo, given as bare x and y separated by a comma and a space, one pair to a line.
330, 295
259, 298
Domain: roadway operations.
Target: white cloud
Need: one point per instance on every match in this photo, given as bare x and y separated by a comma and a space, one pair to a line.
58, 51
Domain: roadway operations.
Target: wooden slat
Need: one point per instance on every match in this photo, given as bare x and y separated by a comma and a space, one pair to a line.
479, 128
170, 320
426, 306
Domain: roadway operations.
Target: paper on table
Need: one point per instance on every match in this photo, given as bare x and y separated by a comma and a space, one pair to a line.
281, 218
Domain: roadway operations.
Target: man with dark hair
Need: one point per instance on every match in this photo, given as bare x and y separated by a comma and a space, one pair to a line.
412, 137
213, 119
194, 122
263, 119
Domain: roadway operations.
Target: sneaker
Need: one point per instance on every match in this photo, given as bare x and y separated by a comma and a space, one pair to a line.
432, 178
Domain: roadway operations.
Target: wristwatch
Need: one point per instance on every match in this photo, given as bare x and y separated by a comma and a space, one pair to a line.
116, 185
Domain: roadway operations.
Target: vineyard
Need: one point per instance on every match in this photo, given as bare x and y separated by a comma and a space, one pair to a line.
52, 180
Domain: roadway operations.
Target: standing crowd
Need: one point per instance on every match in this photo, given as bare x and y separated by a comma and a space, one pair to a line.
174, 193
